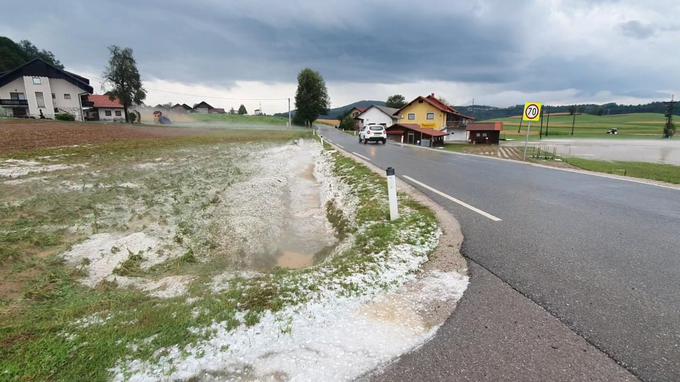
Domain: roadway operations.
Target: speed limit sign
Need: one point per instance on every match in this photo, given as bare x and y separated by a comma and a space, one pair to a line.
532, 111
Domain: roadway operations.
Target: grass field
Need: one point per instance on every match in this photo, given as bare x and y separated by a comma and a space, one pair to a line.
654, 171
638, 125
170, 192
241, 119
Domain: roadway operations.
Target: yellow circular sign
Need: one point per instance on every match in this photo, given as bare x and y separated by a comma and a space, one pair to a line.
532, 111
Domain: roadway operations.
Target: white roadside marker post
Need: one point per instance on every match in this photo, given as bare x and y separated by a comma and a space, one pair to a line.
392, 193
321, 136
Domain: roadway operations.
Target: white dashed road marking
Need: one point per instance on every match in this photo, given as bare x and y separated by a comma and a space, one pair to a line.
451, 198
361, 156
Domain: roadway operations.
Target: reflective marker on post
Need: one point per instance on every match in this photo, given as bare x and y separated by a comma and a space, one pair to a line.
392, 193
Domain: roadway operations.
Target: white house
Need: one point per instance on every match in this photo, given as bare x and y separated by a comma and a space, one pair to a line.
101, 108
38, 89
377, 115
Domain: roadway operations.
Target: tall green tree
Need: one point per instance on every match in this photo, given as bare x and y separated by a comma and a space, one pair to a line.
311, 98
32, 52
396, 101
242, 110
122, 75
13, 55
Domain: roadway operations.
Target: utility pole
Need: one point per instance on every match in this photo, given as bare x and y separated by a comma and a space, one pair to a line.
573, 120
519, 129
289, 119
540, 131
669, 129
547, 121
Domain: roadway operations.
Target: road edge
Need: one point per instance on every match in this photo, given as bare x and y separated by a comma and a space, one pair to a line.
447, 256
648, 182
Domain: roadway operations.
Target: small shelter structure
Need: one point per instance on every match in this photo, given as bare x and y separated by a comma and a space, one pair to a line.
484, 132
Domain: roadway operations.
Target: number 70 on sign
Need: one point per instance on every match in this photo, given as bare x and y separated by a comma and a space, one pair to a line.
532, 111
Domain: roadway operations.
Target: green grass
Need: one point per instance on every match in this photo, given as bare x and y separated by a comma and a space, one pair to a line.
637, 125
662, 172
39, 339
241, 119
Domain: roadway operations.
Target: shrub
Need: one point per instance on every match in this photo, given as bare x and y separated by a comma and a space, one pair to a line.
65, 117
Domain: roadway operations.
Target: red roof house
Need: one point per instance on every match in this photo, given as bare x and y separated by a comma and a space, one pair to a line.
101, 108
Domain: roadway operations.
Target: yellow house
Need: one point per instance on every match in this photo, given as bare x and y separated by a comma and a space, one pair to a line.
430, 113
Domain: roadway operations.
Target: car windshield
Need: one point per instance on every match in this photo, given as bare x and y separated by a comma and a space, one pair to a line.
376, 128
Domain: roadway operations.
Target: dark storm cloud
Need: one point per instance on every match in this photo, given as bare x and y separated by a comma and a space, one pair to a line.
216, 43
206, 42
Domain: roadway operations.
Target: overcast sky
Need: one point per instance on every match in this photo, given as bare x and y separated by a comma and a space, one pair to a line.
497, 52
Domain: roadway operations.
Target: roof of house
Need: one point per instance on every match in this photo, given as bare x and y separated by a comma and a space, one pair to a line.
415, 127
41, 68
389, 111
182, 105
103, 101
439, 105
485, 126
202, 104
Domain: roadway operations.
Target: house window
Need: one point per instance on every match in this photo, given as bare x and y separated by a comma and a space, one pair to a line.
37, 81
67, 96
54, 96
107, 113
40, 99
411, 116
17, 96
118, 113
430, 116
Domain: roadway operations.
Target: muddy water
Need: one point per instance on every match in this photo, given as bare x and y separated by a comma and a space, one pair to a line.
305, 232
276, 218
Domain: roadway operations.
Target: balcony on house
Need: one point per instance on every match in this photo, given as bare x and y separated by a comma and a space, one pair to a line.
14, 102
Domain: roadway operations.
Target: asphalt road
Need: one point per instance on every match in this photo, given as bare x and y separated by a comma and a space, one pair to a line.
600, 255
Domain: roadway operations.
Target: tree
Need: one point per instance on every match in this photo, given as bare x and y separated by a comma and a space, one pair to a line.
396, 101
232, 111
123, 76
242, 110
13, 55
32, 52
311, 98
347, 122
572, 109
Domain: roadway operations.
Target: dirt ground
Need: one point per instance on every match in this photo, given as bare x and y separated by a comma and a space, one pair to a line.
25, 135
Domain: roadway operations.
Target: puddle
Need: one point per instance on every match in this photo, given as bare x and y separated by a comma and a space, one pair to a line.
294, 260
277, 218
305, 232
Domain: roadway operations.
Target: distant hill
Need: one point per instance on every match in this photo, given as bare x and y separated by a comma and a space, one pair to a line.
483, 112
13, 55
338, 112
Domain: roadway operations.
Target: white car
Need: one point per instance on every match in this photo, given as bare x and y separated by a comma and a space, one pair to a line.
375, 133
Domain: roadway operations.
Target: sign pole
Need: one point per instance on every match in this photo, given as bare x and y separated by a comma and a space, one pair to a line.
526, 141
